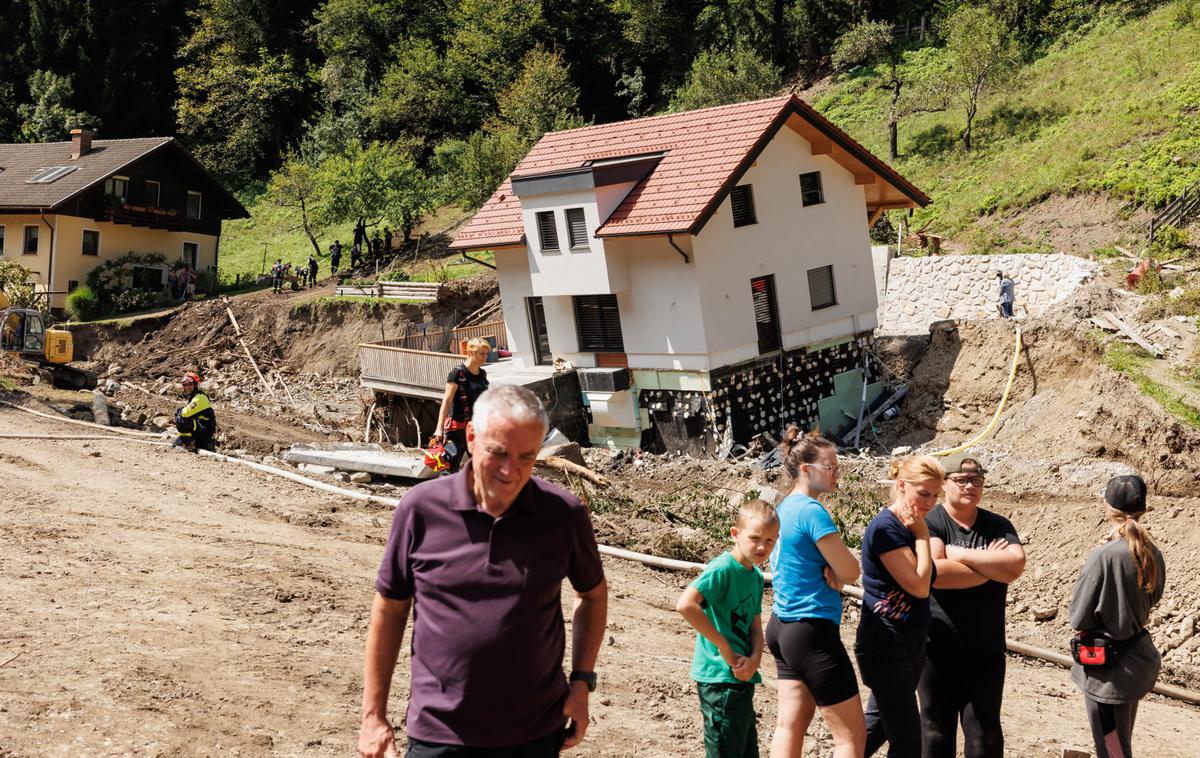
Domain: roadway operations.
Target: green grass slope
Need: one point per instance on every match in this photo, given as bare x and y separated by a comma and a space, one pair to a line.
1112, 108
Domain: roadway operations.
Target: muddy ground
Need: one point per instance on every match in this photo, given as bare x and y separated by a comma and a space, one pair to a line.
160, 604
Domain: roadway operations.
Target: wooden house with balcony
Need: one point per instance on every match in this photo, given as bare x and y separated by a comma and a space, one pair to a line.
708, 273
67, 207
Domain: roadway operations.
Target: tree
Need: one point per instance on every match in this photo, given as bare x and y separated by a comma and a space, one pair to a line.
981, 56
719, 78
541, 99
867, 41
16, 285
374, 184
242, 85
49, 117
297, 185
473, 168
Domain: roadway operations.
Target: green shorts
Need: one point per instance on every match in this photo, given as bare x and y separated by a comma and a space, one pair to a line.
730, 726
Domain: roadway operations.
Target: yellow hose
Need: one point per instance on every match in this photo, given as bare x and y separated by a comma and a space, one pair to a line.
1012, 375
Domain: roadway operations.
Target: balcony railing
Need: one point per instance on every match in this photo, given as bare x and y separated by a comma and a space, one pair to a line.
409, 372
139, 215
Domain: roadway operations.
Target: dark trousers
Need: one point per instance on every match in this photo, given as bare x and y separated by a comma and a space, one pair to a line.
1006, 310
1112, 727
730, 728
545, 747
955, 687
459, 438
890, 663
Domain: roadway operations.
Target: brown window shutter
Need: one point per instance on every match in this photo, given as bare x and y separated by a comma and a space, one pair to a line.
766, 313
821, 292
547, 232
742, 201
577, 227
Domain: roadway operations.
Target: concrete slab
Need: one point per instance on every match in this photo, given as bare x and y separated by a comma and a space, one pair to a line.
373, 459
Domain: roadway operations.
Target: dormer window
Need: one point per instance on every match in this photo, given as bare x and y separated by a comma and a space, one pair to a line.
547, 231
742, 201
118, 187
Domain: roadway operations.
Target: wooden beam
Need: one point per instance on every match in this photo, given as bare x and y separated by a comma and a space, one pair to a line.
822, 146
874, 216
864, 178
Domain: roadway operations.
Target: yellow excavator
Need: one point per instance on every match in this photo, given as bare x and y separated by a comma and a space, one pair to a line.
24, 334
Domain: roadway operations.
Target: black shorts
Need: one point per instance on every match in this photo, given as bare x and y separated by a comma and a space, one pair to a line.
811, 651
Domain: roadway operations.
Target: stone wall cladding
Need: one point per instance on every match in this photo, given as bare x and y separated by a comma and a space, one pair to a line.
921, 291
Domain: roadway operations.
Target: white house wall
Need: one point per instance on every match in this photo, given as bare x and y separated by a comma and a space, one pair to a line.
584, 270
512, 275
788, 240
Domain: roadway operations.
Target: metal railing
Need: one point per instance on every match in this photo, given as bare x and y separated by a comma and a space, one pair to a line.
398, 365
490, 329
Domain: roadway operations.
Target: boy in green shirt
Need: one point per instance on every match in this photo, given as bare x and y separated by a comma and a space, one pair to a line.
724, 605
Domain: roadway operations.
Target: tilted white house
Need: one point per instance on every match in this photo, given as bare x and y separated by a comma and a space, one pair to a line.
712, 266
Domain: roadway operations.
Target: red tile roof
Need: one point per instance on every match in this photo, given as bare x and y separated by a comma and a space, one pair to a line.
706, 151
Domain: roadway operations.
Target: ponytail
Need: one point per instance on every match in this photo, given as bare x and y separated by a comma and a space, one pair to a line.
1140, 549
914, 469
798, 447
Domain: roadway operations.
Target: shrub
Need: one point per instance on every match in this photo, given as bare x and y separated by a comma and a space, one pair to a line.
82, 304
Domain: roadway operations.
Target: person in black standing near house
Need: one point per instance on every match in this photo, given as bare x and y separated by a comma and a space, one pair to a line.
977, 554
464, 385
387, 240
355, 255
312, 271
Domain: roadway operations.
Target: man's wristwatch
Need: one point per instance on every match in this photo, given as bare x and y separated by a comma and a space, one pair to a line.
587, 677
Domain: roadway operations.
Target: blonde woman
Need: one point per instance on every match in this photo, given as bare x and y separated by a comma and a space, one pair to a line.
1110, 606
898, 572
466, 382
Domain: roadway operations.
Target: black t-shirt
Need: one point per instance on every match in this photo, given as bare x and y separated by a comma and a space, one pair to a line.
470, 387
970, 618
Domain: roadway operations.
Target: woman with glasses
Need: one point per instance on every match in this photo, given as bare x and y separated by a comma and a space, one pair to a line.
810, 564
976, 554
897, 574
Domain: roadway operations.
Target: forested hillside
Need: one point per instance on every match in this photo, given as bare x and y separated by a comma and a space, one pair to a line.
324, 112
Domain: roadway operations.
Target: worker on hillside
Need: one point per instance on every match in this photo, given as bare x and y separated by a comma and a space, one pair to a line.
1007, 295
312, 271
277, 275
335, 256
387, 240
196, 421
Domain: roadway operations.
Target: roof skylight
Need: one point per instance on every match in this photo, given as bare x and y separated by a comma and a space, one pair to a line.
48, 175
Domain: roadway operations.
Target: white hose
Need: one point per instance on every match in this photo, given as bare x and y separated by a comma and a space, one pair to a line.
79, 437
1167, 690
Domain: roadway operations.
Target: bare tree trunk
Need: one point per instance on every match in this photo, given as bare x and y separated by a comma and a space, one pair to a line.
308, 230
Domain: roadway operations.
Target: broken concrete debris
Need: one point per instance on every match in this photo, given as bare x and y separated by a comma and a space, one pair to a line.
362, 458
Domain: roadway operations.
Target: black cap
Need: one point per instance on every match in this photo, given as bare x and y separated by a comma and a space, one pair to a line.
963, 463
1126, 493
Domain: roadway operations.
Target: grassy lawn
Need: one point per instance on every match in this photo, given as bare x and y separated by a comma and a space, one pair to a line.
1113, 107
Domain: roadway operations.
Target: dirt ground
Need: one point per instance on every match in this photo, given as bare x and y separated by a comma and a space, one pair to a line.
160, 604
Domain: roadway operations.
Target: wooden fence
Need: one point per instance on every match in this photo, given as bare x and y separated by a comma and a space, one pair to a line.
490, 329
1178, 211
397, 365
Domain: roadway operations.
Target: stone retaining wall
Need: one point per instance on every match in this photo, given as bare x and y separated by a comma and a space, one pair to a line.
921, 291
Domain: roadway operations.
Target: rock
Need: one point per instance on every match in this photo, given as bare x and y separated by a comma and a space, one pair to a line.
115, 369
342, 476
360, 477
112, 387
164, 389
232, 391
1044, 614
314, 468
769, 495
569, 451
1071, 753
902, 450
1187, 627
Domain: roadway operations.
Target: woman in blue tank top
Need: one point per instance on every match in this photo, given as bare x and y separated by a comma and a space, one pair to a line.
809, 566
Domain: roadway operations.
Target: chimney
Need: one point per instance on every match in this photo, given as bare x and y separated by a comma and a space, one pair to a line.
81, 142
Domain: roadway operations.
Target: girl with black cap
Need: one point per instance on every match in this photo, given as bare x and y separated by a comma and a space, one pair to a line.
1116, 663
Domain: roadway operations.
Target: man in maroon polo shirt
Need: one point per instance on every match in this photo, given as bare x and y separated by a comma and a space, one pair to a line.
480, 557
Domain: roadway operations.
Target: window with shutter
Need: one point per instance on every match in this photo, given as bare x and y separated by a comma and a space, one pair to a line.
766, 313
577, 228
820, 287
598, 324
742, 200
810, 189
547, 233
